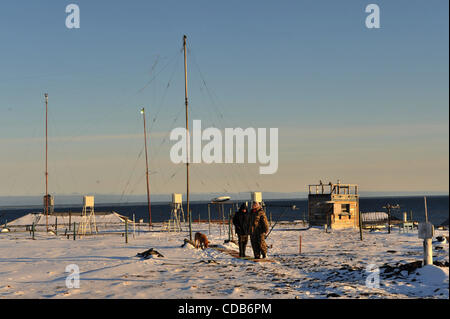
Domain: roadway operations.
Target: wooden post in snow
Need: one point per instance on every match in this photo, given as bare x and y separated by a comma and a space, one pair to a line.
209, 219
360, 227
126, 230
300, 245
134, 227
229, 225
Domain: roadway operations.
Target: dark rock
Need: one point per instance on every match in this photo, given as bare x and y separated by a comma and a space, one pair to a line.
440, 263
410, 267
148, 253
333, 295
187, 241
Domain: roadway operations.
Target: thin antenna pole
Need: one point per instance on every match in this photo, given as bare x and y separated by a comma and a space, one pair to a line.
46, 160
426, 209
187, 137
146, 171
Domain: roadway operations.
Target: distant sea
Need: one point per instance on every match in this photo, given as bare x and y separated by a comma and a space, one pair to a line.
438, 209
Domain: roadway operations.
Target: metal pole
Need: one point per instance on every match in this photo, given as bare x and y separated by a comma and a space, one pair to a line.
218, 219
389, 218
427, 242
223, 218
187, 136
428, 251
146, 172
46, 160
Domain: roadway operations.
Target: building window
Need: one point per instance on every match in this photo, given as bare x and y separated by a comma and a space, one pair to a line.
345, 208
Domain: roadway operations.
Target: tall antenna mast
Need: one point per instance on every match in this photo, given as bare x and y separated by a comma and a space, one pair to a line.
46, 154
146, 171
187, 138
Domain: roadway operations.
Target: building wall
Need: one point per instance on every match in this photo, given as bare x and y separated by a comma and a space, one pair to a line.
351, 221
318, 213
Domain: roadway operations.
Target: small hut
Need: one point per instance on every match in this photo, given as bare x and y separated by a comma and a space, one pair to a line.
333, 205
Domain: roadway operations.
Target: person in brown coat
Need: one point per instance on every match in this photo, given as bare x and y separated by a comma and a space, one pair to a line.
259, 229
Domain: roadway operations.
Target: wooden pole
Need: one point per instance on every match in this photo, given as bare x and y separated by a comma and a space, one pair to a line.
134, 227
209, 219
56, 226
46, 160
32, 229
146, 172
426, 210
300, 245
223, 218
229, 225
74, 230
360, 226
187, 137
126, 230
190, 223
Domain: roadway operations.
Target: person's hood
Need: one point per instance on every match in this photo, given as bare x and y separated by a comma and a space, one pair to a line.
243, 206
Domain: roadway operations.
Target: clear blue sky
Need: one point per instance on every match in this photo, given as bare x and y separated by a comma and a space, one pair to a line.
363, 106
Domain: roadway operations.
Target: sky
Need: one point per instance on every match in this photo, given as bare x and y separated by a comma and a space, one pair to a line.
365, 106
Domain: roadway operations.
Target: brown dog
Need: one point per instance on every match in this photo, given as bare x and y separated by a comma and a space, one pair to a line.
201, 241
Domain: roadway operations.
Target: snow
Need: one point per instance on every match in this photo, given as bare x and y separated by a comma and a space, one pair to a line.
432, 275
332, 265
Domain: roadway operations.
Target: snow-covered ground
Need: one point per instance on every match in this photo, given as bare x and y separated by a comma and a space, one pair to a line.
332, 265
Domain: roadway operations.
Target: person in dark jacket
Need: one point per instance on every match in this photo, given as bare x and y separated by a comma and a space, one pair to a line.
242, 224
259, 229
